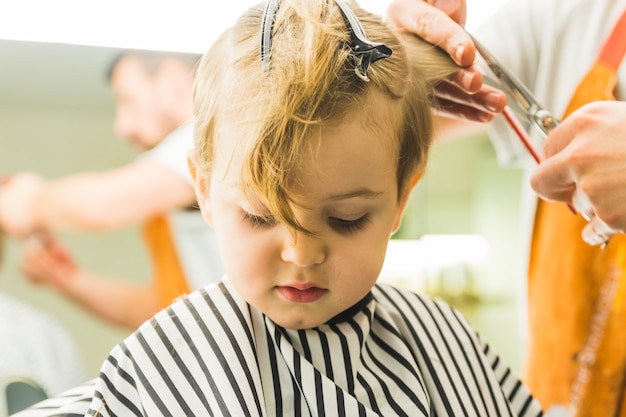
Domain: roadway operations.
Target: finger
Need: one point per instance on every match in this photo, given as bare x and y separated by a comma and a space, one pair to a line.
455, 110
582, 204
55, 249
469, 79
436, 27
43, 237
31, 264
487, 98
560, 136
553, 179
597, 232
32, 243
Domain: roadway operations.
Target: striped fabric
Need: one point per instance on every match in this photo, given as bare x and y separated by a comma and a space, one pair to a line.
395, 353
71, 403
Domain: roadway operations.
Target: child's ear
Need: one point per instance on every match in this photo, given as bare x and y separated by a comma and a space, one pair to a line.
404, 199
200, 185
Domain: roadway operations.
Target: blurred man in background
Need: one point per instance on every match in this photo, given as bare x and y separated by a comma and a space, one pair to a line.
154, 111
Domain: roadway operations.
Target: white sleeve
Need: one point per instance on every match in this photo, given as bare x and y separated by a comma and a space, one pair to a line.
508, 34
173, 150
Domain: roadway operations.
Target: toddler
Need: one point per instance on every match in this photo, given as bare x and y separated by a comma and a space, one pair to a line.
313, 124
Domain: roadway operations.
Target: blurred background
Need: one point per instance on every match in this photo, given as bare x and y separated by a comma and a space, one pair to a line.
460, 239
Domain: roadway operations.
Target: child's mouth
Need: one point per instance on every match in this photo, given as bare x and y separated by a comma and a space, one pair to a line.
307, 295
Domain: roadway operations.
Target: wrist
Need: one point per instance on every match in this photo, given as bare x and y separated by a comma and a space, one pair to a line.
67, 280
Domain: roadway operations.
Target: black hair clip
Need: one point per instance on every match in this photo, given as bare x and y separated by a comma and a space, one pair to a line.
267, 25
366, 50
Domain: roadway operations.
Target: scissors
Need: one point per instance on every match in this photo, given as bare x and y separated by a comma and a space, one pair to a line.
532, 109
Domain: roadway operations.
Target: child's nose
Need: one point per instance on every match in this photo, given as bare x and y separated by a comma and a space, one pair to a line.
304, 250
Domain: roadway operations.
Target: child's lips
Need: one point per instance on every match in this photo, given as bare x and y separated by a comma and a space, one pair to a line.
302, 293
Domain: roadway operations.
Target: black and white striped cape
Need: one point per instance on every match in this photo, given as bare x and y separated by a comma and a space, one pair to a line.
395, 353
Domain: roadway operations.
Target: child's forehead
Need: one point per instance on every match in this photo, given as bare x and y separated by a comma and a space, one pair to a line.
244, 121
376, 116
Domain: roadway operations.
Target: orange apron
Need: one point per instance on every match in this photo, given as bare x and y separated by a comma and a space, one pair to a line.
566, 279
169, 277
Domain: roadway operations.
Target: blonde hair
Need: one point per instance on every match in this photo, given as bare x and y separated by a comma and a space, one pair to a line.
311, 84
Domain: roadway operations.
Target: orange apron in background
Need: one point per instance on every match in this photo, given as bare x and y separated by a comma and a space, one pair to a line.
566, 276
169, 277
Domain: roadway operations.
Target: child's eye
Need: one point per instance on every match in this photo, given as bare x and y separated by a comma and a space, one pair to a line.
348, 226
259, 222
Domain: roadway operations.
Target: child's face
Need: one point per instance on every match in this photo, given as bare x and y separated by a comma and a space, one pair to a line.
351, 196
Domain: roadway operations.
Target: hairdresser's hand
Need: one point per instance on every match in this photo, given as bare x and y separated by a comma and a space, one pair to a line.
17, 195
438, 21
45, 262
585, 165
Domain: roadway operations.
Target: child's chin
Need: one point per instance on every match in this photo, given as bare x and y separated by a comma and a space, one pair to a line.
296, 323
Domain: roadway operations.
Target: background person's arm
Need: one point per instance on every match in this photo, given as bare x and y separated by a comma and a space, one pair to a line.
91, 201
45, 262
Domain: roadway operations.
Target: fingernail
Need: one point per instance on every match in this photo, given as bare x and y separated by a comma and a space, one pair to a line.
458, 54
491, 101
468, 78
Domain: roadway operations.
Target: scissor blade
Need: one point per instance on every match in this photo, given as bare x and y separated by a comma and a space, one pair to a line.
518, 90
509, 81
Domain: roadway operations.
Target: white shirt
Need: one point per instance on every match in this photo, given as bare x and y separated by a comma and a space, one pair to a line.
195, 241
550, 45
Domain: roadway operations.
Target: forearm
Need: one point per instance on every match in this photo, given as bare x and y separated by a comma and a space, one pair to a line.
111, 199
115, 301
84, 202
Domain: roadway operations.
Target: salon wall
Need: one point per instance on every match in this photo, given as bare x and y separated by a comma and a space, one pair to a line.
56, 112
466, 191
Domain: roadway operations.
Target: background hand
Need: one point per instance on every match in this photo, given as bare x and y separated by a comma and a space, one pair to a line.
46, 262
17, 197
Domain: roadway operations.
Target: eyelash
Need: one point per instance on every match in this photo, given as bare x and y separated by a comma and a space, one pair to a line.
340, 225
259, 222
349, 226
